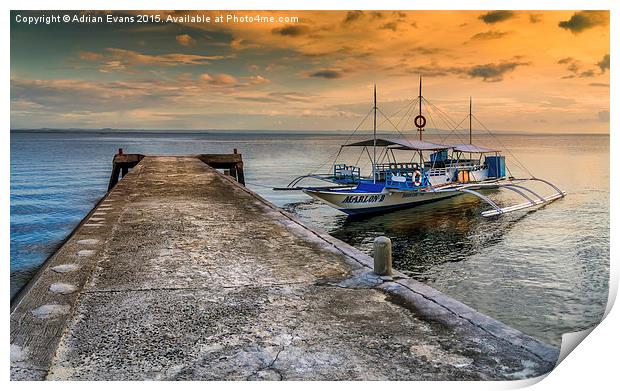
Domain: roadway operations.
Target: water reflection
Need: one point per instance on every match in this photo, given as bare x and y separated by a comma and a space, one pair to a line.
425, 236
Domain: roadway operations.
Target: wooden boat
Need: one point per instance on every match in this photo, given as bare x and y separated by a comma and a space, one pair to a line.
435, 171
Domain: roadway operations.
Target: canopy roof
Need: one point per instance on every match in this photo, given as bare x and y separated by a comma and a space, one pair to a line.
419, 145
400, 143
471, 148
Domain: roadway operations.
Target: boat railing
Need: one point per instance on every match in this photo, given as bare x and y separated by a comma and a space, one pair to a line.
385, 167
437, 171
466, 166
406, 179
344, 173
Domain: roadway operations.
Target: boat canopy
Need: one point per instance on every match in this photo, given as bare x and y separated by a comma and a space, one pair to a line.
419, 145
471, 148
400, 143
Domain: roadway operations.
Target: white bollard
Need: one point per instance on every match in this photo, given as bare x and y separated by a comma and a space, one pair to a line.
382, 247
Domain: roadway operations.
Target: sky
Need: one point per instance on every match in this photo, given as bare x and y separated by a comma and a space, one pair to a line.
526, 71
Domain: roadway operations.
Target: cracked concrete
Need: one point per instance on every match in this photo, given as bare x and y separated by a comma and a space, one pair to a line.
197, 278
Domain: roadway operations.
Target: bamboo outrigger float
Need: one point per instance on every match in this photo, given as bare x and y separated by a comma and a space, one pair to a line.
449, 170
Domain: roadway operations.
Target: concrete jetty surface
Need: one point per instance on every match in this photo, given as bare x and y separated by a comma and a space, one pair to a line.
182, 273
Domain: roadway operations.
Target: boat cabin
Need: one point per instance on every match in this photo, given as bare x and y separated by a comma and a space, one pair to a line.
431, 164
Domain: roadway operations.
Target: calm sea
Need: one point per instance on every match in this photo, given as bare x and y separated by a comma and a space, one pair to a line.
543, 272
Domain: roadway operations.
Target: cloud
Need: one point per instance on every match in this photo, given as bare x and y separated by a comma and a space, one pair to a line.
494, 72
114, 59
258, 99
329, 54
557, 101
287, 97
353, 16
575, 68
241, 44
90, 56
221, 79
535, 18
184, 39
64, 95
327, 74
604, 63
603, 116
376, 15
435, 70
489, 35
230, 81
291, 30
70, 103
390, 26
422, 50
292, 96
584, 20
258, 80
496, 16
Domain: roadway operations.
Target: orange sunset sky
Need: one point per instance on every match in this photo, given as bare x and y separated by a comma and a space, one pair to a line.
532, 71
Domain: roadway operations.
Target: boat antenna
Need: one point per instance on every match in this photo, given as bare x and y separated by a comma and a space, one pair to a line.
374, 136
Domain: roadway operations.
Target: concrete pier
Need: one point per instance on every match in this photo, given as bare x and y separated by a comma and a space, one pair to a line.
182, 273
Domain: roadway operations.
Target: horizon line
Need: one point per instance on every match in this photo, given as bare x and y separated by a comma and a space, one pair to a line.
336, 131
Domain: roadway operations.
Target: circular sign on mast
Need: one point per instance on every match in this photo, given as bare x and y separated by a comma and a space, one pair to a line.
420, 121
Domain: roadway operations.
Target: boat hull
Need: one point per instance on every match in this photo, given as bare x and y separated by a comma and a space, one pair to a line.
356, 203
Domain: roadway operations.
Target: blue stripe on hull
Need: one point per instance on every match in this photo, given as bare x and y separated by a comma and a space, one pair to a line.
391, 208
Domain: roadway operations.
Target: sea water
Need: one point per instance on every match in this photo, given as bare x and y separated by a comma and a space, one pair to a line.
544, 272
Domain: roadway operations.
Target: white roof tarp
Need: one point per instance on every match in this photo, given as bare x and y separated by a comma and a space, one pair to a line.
400, 143
471, 148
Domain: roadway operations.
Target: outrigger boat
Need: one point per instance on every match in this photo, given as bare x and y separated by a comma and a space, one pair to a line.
449, 170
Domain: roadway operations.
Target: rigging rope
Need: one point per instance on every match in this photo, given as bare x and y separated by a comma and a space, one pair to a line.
504, 147
359, 157
411, 109
517, 161
432, 120
452, 132
391, 123
448, 119
340, 149
398, 111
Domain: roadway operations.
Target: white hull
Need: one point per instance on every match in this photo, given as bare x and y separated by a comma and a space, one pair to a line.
359, 203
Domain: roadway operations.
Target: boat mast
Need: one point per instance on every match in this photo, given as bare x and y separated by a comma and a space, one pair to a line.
374, 136
470, 119
420, 97
470, 125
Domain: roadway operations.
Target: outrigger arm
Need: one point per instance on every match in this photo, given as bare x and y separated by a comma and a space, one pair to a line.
518, 189
293, 184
